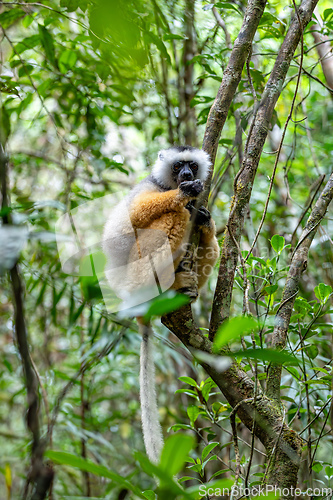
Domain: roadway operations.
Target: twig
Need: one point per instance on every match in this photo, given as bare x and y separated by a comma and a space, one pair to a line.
318, 415
234, 435
318, 183
221, 22
297, 267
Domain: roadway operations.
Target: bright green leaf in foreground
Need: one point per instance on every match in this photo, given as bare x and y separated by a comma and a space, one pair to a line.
233, 330
175, 451
63, 458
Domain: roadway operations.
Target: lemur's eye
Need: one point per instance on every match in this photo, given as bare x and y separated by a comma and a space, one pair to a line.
177, 166
193, 166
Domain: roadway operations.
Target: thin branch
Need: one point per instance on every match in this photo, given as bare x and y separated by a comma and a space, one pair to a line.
39, 473
297, 267
221, 22
329, 401
317, 184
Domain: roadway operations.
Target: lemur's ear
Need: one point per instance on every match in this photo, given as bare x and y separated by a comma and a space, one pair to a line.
160, 155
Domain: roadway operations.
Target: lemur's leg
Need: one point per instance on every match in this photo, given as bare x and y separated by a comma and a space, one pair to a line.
208, 248
208, 253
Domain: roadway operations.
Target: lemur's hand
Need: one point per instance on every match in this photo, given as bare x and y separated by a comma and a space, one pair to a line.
191, 188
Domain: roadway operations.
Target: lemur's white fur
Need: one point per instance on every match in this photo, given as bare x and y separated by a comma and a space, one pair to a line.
162, 170
152, 431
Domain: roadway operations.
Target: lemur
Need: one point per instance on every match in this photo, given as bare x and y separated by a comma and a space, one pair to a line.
154, 218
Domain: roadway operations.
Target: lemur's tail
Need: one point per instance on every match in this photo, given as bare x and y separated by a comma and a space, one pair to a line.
152, 431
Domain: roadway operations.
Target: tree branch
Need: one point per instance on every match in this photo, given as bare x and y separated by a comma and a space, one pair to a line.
239, 390
245, 177
40, 474
231, 78
297, 267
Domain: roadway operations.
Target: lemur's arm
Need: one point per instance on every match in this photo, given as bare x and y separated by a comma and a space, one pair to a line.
147, 207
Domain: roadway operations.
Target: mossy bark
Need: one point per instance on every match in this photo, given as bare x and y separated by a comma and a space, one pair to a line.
246, 175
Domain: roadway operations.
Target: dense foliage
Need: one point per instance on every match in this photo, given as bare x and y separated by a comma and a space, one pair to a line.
91, 91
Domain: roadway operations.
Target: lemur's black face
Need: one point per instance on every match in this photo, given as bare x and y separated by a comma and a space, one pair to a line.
184, 171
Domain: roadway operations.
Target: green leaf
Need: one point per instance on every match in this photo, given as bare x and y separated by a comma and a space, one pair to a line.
171, 36
67, 60
269, 290
218, 407
160, 45
294, 372
27, 43
193, 413
175, 452
166, 479
329, 471
70, 5
28, 19
63, 458
9, 17
312, 351
178, 427
200, 99
207, 450
277, 243
327, 14
226, 6
317, 467
322, 292
166, 303
189, 381
149, 494
279, 357
189, 392
207, 387
48, 44
232, 330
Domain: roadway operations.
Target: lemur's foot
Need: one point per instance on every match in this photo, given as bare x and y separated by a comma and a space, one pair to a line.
186, 282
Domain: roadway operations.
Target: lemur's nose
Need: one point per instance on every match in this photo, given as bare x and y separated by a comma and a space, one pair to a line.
187, 174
